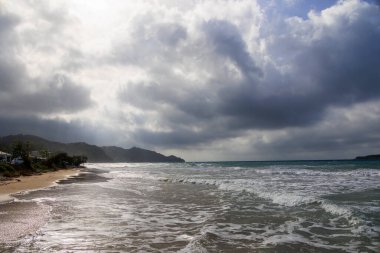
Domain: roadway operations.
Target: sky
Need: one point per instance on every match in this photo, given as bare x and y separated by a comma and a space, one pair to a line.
203, 80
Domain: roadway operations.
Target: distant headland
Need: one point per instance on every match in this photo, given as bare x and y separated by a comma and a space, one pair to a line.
369, 157
92, 152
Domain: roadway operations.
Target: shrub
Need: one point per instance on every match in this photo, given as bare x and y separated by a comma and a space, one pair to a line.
78, 160
8, 170
62, 160
41, 167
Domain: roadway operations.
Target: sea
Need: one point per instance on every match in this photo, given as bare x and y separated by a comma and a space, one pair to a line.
281, 206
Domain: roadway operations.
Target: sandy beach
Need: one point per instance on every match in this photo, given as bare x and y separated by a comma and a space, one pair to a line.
27, 183
18, 219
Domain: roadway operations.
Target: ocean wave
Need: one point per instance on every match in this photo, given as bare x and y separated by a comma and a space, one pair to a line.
198, 243
298, 190
285, 195
262, 191
210, 208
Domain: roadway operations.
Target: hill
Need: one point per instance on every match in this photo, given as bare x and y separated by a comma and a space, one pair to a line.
93, 152
135, 154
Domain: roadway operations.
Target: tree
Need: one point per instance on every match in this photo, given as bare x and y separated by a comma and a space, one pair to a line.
44, 153
22, 150
78, 160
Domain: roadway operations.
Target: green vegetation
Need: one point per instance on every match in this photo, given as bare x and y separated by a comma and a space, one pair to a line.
62, 160
8, 170
42, 162
93, 153
22, 150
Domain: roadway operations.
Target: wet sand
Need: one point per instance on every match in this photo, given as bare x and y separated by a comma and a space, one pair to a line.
27, 183
18, 219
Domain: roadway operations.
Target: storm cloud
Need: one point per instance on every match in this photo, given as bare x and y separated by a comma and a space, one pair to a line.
327, 60
21, 92
196, 76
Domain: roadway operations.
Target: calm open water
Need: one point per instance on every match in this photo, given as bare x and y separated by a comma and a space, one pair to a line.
315, 206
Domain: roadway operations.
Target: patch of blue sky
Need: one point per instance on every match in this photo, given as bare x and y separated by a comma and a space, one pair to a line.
299, 8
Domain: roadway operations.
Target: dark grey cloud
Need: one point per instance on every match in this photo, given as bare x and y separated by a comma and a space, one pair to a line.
326, 66
7, 21
59, 95
176, 138
11, 70
12, 74
228, 42
337, 69
344, 137
26, 99
21, 94
152, 42
59, 130
171, 34
55, 130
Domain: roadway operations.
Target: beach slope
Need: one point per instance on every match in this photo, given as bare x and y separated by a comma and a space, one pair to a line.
18, 219
28, 183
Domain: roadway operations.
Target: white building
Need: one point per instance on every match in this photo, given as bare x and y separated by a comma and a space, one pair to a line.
5, 157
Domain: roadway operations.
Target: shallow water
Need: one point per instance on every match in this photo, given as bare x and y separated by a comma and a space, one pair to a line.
330, 206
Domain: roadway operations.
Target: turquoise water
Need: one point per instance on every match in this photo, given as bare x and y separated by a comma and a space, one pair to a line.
286, 206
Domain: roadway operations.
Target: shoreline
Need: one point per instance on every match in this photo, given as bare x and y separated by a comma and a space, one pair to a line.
19, 219
34, 182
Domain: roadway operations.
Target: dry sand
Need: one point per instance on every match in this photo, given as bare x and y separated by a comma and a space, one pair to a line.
18, 219
27, 183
